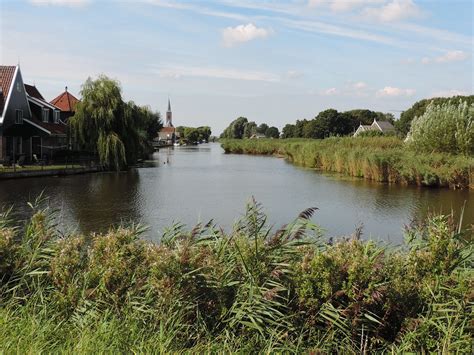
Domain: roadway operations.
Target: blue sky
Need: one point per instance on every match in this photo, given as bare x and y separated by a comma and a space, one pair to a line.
271, 61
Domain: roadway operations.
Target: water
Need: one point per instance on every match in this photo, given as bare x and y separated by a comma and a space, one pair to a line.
199, 183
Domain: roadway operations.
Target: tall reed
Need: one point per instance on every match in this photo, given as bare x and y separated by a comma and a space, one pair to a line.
253, 289
383, 159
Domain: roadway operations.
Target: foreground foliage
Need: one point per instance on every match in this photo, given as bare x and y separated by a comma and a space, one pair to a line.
249, 290
383, 159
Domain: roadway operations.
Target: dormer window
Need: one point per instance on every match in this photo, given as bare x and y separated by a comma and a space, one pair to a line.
19, 117
56, 116
45, 114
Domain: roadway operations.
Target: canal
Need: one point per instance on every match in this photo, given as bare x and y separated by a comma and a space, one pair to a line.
199, 183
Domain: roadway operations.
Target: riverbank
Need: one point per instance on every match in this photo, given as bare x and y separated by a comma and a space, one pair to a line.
382, 159
250, 290
41, 171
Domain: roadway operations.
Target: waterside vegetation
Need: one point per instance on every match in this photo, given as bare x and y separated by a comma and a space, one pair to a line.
251, 290
382, 159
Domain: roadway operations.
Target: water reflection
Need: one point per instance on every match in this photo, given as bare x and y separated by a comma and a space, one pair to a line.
198, 183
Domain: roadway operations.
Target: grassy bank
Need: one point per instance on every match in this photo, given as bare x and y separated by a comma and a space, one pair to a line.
249, 290
383, 159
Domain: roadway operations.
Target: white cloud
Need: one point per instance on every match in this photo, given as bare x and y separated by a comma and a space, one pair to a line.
331, 91
243, 33
71, 3
450, 93
342, 5
217, 73
450, 56
294, 74
396, 10
390, 91
359, 85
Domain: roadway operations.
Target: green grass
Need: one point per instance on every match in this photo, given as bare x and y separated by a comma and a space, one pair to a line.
383, 159
251, 290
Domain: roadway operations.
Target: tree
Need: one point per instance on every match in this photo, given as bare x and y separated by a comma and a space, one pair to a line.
191, 135
118, 132
272, 132
236, 129
418, 109
262, 128
288, 131
250, 129
446, 127
204, 133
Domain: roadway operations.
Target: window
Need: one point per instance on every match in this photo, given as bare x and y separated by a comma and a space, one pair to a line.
19, 117
45, 114
57, 115
18, 87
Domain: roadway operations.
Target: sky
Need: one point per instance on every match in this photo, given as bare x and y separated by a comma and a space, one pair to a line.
270, 61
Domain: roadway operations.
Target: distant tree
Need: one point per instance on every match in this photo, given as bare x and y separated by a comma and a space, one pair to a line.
418, 109
236, 129
288, 131
250, 129
204, 133
191, 135
272, 132
299, 128
262, 128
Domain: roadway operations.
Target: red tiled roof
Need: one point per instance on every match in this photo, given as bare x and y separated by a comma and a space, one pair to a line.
65, 101
6, 78
33, 91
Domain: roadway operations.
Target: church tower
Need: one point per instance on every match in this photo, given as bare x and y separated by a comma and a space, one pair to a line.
169, 115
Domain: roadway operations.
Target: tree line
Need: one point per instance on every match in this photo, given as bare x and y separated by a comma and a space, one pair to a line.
242, 128
330, 122
194, 135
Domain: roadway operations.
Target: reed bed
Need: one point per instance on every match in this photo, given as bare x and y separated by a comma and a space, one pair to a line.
251, 290
382, 159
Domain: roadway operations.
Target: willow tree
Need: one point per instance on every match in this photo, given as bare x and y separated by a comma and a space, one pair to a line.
118, 132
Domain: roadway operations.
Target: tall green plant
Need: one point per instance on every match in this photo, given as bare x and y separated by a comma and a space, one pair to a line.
448, 127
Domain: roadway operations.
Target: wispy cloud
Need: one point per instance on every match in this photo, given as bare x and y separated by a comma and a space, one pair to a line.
342, 5
448, 57
390, 91
243, 33
216, 73
71, 3
396, 10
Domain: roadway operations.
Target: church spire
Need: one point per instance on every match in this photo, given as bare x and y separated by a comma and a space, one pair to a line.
169, 115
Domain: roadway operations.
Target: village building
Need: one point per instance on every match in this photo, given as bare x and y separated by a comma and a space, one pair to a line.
30, 127
379, 126
66, 102
168, 133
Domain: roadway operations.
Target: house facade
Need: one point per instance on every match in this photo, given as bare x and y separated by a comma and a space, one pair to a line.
381, 126
30, 127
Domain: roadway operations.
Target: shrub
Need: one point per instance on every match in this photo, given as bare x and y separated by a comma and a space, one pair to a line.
444, 128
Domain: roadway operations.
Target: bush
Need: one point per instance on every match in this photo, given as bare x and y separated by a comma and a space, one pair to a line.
444, 128
252, 289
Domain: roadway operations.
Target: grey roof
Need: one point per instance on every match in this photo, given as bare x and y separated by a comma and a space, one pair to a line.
385, 126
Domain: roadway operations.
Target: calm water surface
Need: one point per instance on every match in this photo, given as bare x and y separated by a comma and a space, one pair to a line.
192, 184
